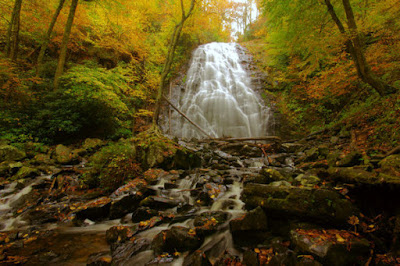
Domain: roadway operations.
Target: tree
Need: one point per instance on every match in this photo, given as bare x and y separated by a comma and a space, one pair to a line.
64, 44
170, 57
46, 40
354, 46
12, 39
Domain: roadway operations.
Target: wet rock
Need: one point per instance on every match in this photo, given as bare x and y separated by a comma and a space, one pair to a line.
143, 214
11, 153
213, 190
306, 180
26, 172
351, 159
64, 155
40, 216
333, 247
391, 164
186, 159
125, 204
119, 234
209, 222
268, 175
42, 158
197, 258
90, 145
307, 203
152, 176
358, 176
160, 203
170, 185
280, 184
96, 210
250, 258
308, 261
176, 239
99, 259
240, 149
250, 228
292, 147
187, 209
124, 254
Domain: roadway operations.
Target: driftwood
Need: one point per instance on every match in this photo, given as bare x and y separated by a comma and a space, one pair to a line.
187, 118
394, 151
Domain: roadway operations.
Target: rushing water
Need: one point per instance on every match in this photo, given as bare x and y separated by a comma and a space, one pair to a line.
218, 96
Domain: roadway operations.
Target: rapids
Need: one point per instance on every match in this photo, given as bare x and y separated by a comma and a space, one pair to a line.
218, 96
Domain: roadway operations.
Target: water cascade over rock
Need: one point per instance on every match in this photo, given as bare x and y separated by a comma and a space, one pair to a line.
218, 96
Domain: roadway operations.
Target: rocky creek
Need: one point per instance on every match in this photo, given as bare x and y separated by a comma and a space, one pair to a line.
233, 202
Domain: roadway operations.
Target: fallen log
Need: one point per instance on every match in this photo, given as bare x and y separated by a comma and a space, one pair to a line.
187, 118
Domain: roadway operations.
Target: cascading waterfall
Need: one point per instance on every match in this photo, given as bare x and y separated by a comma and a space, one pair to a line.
218, 97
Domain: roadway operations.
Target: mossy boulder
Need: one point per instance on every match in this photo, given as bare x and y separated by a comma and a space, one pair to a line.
177, 238
296, 202
91, 145
333, 247
358, 176
391, 164
64, 155
351, 159
11, 153
26, 172
268, 175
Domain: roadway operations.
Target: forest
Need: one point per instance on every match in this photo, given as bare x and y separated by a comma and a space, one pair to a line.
92, 91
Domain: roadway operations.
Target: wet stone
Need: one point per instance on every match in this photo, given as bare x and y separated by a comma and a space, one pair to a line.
124, 253
119, 234
99, 259
143, 214
160, 203
333, 247
197, 258
176, 239
96, 210
209, 222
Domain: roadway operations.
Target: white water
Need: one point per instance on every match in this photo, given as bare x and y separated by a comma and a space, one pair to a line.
218, 97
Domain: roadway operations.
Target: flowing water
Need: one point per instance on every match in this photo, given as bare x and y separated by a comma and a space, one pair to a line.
218, 96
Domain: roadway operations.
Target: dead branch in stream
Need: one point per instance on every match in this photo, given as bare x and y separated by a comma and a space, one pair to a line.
187, 118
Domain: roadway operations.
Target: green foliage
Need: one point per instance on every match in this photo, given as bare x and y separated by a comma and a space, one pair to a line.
112, 166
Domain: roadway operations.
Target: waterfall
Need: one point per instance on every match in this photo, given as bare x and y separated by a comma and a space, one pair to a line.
218, 96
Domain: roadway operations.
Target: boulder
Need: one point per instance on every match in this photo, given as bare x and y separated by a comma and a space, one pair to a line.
250, 228
160, 203
124, 254
26, 172
186, 159
351, 159
391, 164
90, 145
267, 175
208, 222
11, 153
95, 210
359, 176
197, 258
42, 158
143, 214
306, 180
125, 204
99, 259
333, 247
119, 234
306, 203
177, 238
64, 155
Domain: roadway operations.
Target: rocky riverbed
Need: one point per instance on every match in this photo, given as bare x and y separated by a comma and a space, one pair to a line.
313, 201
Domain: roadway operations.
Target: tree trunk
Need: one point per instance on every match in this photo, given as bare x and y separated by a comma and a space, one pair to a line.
46, 41
64, 44
170, 58
12, 39
354, 46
